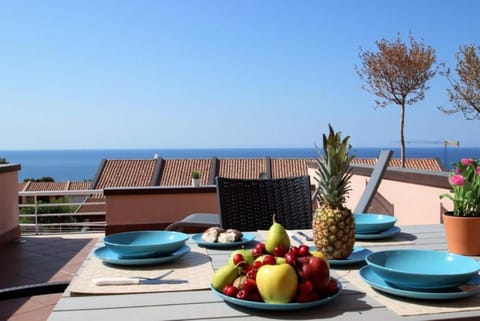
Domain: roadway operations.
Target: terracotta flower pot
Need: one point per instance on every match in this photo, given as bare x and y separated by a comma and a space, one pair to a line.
462, 234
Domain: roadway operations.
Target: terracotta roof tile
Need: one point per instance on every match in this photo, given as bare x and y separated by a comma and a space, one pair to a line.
178, 172
426, 164
123, 173
23, 186
287, 167
246, 168
78, 186
93, 208
46, 186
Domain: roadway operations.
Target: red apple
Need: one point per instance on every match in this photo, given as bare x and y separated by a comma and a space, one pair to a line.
315, 270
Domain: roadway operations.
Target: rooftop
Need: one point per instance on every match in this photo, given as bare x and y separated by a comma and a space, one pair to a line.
177, 172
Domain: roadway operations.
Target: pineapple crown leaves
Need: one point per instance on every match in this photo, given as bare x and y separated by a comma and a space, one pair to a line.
334, 171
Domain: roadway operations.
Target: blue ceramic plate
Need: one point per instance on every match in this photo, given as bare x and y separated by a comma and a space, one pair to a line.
282, 306
372, 223
425, 270
358, 255
139, 244
376, 236
108, 256
247, 237
377, 282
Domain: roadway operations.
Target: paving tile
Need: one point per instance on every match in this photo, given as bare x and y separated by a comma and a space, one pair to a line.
38, 314
8, 308
40, 259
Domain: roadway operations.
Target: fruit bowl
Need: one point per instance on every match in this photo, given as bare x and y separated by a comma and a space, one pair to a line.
259, 305
422, 269
140, 244
372, 223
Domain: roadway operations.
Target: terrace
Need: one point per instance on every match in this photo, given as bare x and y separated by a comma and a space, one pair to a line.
34, 259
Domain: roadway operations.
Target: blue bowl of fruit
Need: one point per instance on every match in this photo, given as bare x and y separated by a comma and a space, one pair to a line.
295, 278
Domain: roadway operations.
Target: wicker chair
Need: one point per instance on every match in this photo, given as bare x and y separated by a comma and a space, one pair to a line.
249, 204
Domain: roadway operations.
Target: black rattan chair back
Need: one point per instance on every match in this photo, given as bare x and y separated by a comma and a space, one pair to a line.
249, 204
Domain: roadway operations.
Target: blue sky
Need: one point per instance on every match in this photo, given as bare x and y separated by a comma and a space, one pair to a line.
207, 74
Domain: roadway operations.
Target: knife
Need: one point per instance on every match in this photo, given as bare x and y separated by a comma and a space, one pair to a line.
307, 237
132, 281
296, 239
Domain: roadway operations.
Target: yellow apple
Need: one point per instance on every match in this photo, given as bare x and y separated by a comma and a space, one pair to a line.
322, 256
277, 283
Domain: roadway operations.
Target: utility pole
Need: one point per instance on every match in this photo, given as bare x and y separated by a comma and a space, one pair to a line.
446, 143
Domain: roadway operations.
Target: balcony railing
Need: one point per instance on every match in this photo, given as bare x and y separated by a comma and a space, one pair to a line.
46, 212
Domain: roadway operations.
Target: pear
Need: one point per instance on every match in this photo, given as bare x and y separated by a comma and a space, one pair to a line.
223, 276
277, 236
238, 283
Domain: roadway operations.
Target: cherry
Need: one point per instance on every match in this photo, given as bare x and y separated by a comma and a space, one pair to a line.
242, 295
254, 296
256, 252
302, 297
303, 250
260, 246
269, 259
230, 290
332, 286
305, 286
252, 274
249, 285
293, 250
279, 251
290, 258
257, 264
238, 258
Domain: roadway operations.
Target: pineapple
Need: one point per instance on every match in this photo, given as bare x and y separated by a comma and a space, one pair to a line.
332, 223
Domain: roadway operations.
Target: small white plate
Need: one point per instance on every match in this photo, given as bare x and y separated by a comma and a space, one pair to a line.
247, 237
394, 230
108, 256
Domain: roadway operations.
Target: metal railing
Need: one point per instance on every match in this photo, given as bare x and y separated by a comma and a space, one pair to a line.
75, 211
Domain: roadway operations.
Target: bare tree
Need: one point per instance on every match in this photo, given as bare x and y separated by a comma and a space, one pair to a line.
397, 74
464, 93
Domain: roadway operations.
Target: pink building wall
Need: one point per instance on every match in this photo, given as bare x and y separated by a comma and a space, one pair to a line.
155, 208
9, 222
411, 203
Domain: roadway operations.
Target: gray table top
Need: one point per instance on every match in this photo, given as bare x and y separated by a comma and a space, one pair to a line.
351, 304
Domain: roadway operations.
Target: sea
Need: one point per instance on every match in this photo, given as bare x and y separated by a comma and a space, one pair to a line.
81, 165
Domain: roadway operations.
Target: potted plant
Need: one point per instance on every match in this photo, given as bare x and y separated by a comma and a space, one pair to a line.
462, 225
196, 178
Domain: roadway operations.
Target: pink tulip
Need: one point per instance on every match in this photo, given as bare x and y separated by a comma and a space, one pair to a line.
467, 161
478, 170
458, 180
458, 170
